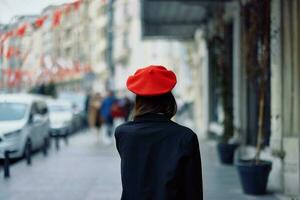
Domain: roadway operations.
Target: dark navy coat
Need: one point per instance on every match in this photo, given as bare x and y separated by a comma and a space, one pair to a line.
160, 160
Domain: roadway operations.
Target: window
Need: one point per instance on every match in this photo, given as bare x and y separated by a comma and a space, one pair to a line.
12, 111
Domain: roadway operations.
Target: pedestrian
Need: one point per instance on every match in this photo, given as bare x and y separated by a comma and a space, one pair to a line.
126, 105
50, 89
87, 107
98, 118
160, 159
106, 116
93, 111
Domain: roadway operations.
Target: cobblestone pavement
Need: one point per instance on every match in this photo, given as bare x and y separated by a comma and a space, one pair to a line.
89, 170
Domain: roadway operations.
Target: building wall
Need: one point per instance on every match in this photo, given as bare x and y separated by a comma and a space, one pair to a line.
276, 95
199, 69
98, 42
291, 95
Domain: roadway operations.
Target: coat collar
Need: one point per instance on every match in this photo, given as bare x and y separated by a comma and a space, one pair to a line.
151, 117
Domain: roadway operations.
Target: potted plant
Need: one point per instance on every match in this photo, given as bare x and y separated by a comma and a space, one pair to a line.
254, 173
225, 147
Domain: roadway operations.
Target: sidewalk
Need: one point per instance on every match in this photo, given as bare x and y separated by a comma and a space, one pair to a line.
87, 170
221, 182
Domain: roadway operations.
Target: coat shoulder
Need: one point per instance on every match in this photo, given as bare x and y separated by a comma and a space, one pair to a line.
189, 143
186, 132
123, 127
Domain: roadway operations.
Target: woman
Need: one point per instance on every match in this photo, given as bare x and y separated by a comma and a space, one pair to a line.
160, 159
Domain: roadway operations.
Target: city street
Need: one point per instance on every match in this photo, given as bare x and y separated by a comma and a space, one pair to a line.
228, 69
88, 170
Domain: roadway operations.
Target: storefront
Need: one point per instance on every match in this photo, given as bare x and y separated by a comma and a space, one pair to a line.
282, 89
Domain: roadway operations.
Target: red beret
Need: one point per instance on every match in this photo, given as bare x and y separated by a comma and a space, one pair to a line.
152, 80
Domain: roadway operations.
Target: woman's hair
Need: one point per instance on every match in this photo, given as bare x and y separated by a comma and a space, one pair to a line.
164, 104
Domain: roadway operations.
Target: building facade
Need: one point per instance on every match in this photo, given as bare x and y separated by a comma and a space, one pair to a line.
281, 108
132, 51
98, 42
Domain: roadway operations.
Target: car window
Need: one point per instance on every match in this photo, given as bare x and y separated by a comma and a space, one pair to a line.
59, 108
12, 111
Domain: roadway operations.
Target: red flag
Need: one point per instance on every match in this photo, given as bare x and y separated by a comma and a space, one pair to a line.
68, 8
10, 52
56, 18
18, 75
7, 35
21, 30
76, 4
39, 22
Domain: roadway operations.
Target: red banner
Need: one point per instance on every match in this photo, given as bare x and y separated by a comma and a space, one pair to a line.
21, 30
56, 18
39, 22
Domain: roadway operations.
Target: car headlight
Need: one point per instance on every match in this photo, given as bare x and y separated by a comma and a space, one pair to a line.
13, 134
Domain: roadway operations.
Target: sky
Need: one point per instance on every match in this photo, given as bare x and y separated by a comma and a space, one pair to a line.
10, 8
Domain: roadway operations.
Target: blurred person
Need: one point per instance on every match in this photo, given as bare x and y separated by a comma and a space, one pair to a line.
106, 116
94, 106
160, 159
87, 106
117, 112
50, 89
127, 106
98, 119
41, 89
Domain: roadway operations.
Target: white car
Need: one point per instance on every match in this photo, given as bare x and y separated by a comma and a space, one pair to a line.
24, 124
78, 102
61, 117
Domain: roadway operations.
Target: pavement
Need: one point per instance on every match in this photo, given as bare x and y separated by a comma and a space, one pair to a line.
86, 169
221, 182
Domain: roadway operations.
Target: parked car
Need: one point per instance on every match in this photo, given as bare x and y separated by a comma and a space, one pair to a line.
24, 124
61, 117
78, 104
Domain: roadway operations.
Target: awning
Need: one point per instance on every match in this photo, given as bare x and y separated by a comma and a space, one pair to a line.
174, 18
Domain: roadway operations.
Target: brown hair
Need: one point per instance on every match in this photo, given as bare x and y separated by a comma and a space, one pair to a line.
165, 104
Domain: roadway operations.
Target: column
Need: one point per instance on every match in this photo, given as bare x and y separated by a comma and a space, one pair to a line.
276, 94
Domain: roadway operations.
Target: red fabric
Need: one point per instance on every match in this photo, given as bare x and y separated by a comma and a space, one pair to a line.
18, 75
68, 8
40, 21
117, 111
21, 30
56, 18
10, 52
76, 4
152, 80
9, 34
